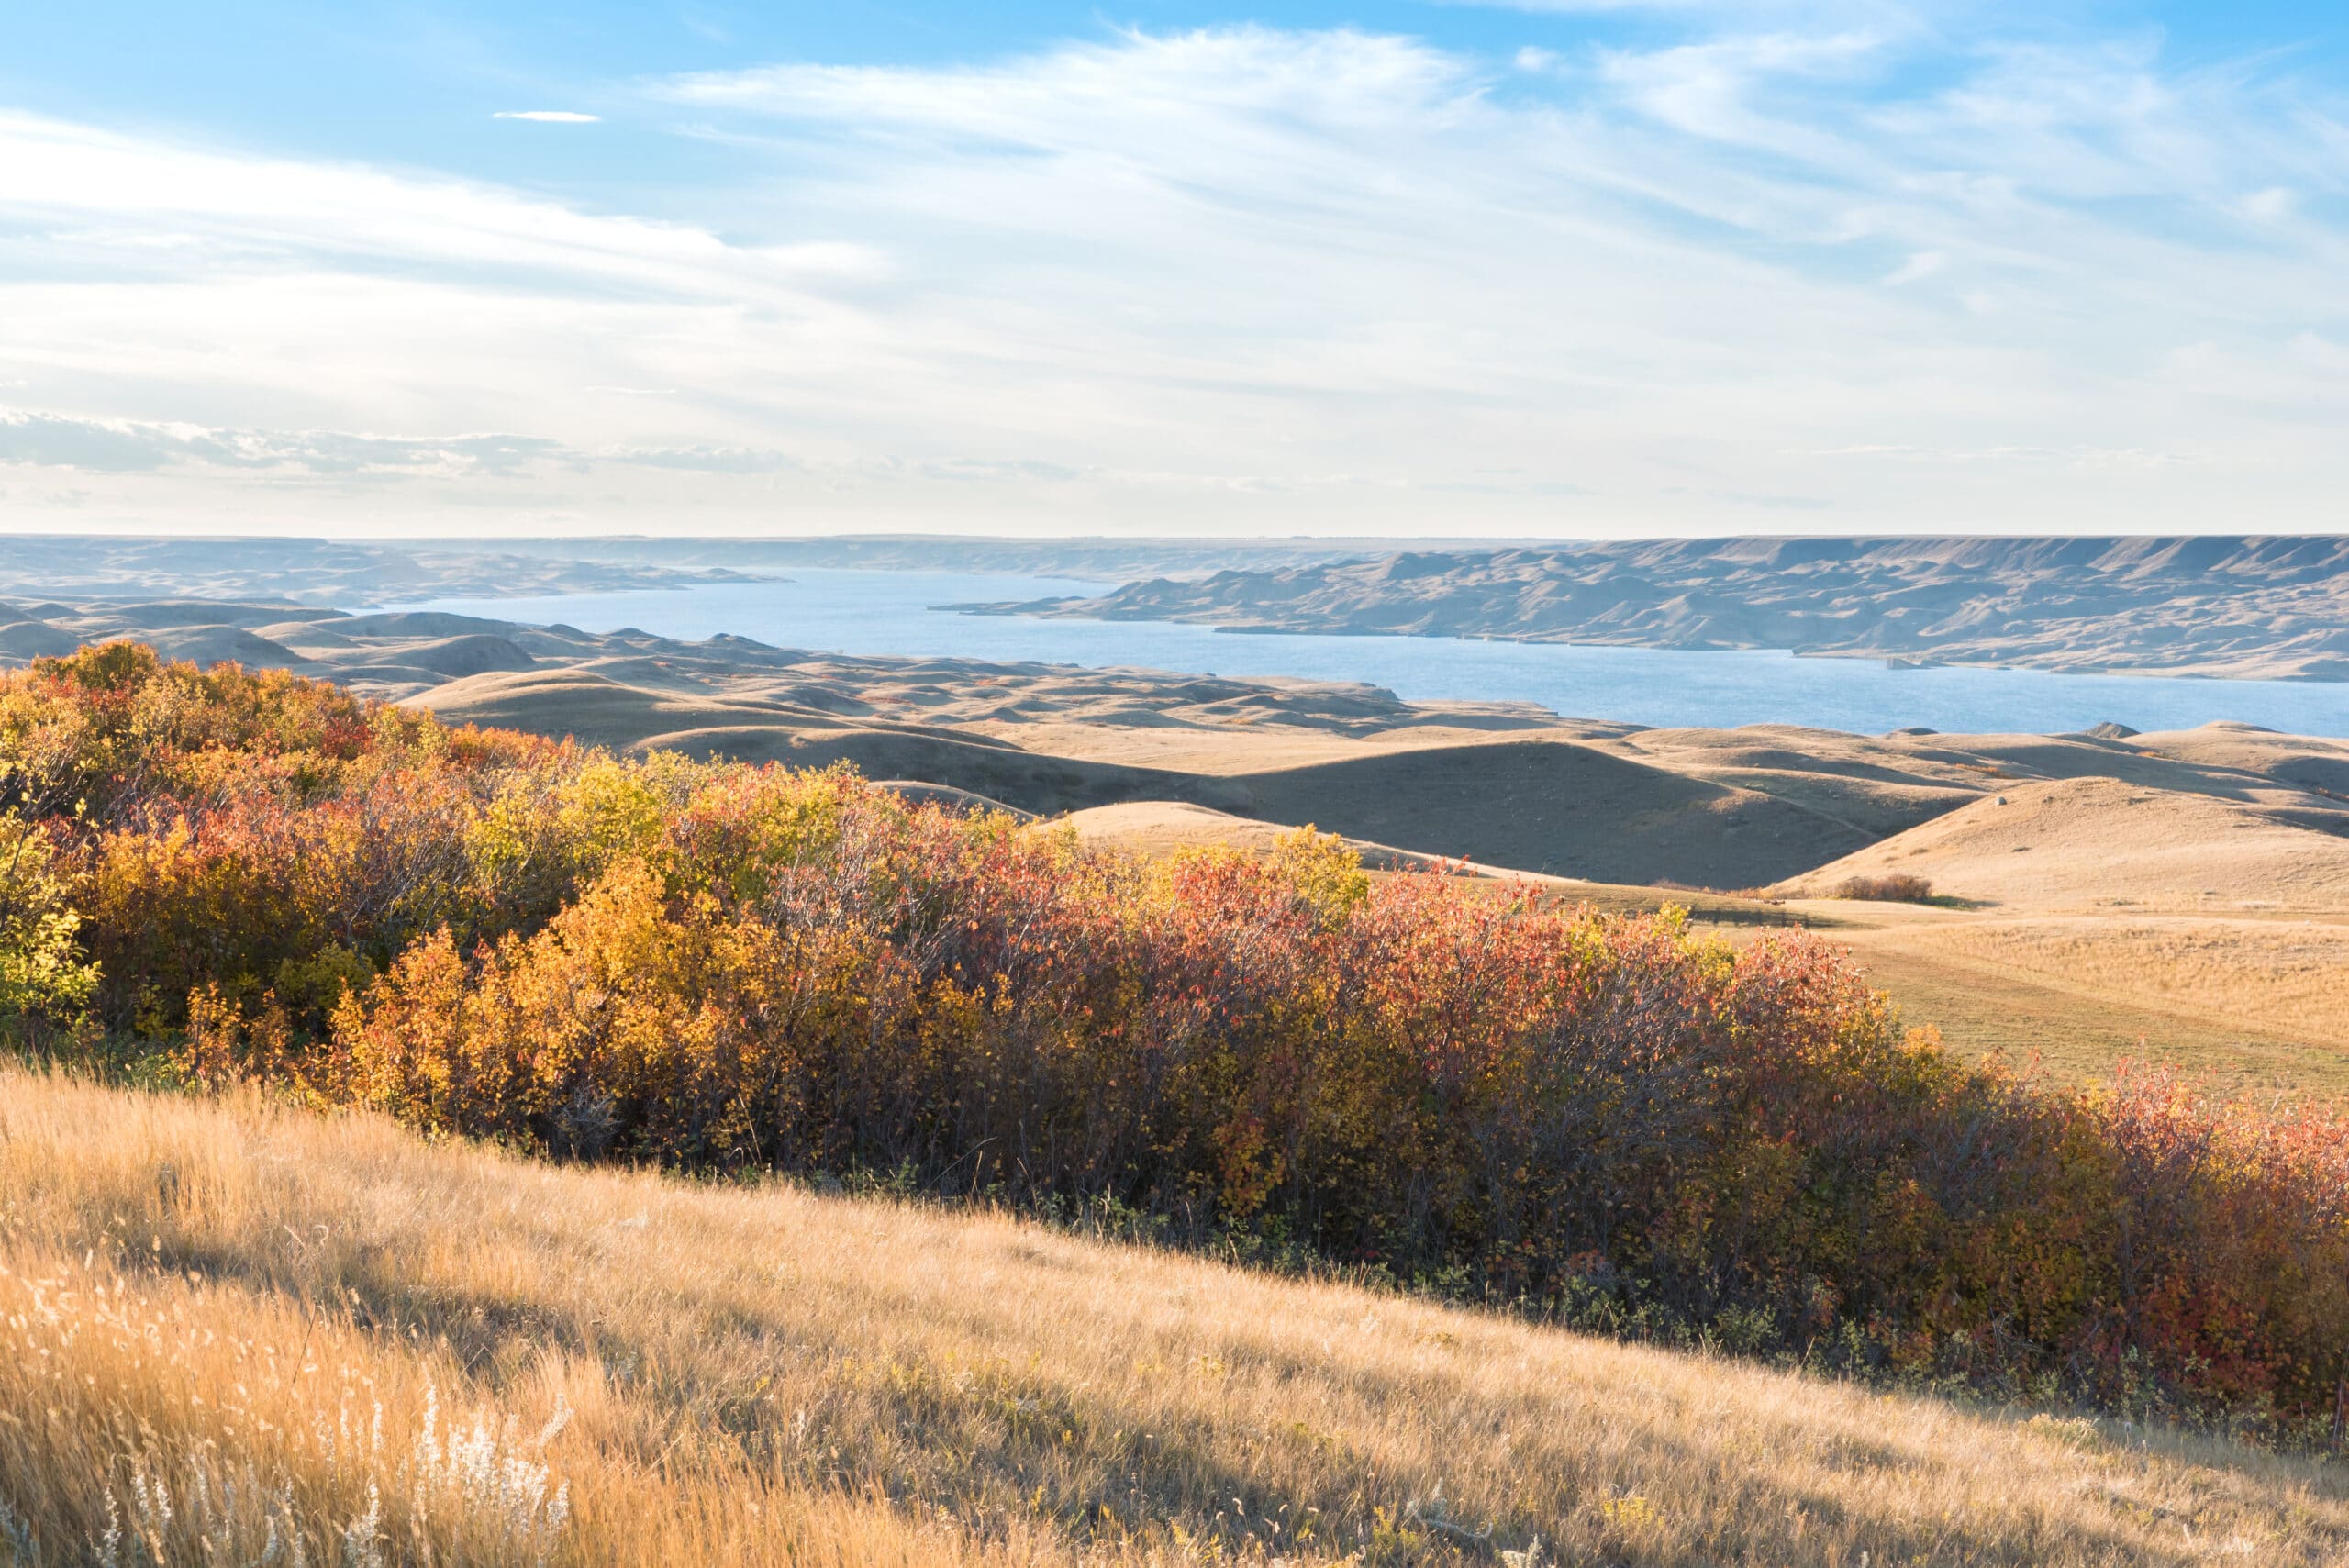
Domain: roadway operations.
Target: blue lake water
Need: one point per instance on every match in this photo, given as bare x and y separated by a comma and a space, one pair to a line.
892, 612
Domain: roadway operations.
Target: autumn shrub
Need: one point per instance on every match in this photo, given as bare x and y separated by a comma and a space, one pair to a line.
1894, 889
42, 972
709, 966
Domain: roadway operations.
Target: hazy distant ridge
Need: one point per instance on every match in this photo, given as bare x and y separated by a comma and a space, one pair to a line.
348, 573
315, 572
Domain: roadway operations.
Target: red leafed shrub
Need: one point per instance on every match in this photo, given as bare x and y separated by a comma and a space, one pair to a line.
705, 965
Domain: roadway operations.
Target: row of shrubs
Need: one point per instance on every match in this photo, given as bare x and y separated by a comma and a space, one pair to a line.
1898, 887
725, 967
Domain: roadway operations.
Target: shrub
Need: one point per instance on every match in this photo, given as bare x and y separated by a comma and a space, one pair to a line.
1896, 888
42, 975
1608, 1120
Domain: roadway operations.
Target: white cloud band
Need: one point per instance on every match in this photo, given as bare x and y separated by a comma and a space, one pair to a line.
1247, 278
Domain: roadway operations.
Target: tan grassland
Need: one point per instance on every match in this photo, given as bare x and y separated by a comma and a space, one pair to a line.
293, 1325
2100, 844
2239, 1004
2285, 979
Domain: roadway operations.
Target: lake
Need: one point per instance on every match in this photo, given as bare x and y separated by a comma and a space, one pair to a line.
892, 612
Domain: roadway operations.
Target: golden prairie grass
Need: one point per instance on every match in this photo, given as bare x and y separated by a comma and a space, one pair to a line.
2255, 1008
323, 1329
2283, 977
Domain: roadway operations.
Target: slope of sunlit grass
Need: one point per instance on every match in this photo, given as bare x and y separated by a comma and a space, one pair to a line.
323, 1328
2286, 978
2251, 1008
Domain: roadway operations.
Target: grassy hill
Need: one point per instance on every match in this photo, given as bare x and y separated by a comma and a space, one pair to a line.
321, 1328
234, 1324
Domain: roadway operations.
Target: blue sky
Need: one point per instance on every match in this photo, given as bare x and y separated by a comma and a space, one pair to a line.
1550, 268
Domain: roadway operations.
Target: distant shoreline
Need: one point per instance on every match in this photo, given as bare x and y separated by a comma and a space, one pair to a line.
1889, 662
2249, 608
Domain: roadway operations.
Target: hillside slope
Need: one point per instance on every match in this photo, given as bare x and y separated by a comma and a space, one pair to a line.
1504, 783
1554, 806
227, 1292
2100, 843
1536, 800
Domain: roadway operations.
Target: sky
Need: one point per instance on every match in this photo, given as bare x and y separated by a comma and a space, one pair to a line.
1556, 268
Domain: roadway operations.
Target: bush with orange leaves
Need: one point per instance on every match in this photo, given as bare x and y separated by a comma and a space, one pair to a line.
722, 967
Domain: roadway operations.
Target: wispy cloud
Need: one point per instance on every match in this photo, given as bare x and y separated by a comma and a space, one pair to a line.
2271, 206
1920, 265
548, 117
1246, 277
708, 459
129, 446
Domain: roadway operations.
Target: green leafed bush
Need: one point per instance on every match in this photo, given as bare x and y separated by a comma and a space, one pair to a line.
42, 972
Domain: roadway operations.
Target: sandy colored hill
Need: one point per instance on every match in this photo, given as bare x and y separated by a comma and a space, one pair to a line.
2248, 1007
1543, 803
1554, 806
2299, 761
2279, 978
2115, 920
1153, 827
1875, 785
2103, 844
594, 708
212, 644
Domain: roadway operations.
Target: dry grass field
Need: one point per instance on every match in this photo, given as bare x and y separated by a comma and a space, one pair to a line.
2081, 998
227, 1327
2283, 979
2100, 845
2109, 919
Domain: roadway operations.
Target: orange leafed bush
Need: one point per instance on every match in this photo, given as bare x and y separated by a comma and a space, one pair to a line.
1605, 1118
